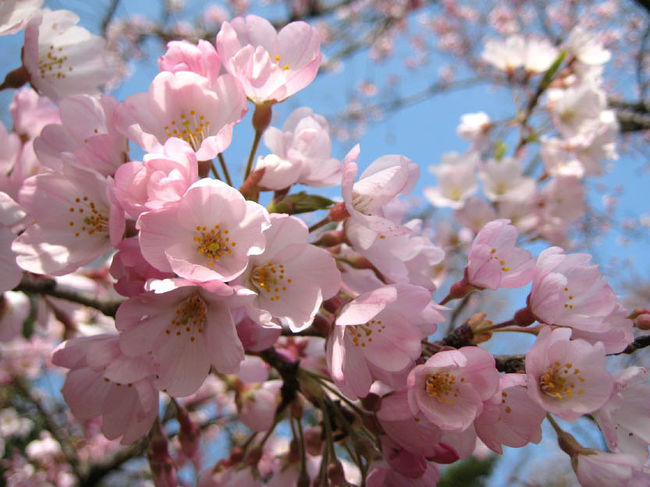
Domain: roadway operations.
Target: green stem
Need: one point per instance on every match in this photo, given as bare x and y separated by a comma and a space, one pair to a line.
495, 327
251, 156
530, 331
319, 224
556, 426
213, 169
224, 168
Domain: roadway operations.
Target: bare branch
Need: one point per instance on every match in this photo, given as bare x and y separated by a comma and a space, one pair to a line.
32, 284
110, 12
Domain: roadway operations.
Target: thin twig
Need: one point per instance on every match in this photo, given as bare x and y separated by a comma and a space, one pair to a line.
31, 284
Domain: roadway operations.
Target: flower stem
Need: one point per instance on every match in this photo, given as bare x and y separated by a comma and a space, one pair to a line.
224, 168
251, 156
319, 224
213, 169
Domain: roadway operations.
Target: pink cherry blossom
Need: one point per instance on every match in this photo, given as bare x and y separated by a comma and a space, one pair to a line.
375, 338
254, 336
258, 404
601, 469
291, 278
301, 153
210, 234
495, 262
505, 55
510, 417
131, 270
503, 180
160, 180
31, 112
62, 58
72, 221
586, 47
475, 127
567, 377
14, 14
187, 330
10, 215
86, 131
185, 105
270, 65
450, 387
201, 59
365, 200
104, 382
382, 475
456, 179
413, 433
475, 214
410, 258
624, 419
616, 336
569, 291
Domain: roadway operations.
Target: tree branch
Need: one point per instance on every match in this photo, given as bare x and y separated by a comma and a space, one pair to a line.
32, 284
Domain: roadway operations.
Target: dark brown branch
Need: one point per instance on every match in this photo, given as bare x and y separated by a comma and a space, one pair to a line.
110, 12
288, 371
510, 364
645, 4
632, 116
32, 284
638, 343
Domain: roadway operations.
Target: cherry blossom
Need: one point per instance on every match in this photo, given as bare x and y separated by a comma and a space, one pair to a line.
450, 387
494, 261
374, 338
290, 278
185, 105
62, 58
160, 180
72, 226
104, 382
365, 200
14, 14
85, 131
569, 291
624, 419
456, 178
187, 330
208, 235
301, 153
567, 377
270, 65
510, 417
201, 59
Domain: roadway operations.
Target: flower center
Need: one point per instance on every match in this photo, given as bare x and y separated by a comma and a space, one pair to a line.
276, 59
52, 64
85, 217
568, 305
361, 203
192, 129
442, 386
502, 263
559, 381
213, 243
191, 317
270, 279
362, 334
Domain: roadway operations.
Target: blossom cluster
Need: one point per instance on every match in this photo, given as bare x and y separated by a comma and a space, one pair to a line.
212, 289
584, 134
